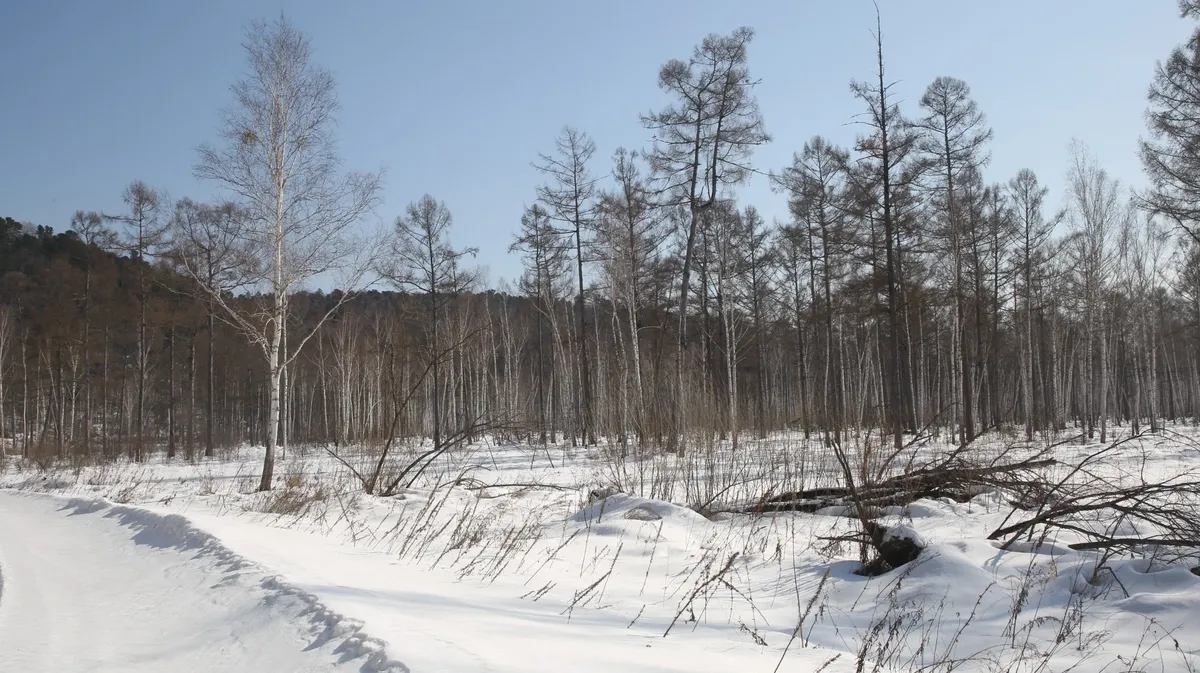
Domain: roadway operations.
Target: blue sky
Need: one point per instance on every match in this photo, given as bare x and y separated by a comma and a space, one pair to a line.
456, 99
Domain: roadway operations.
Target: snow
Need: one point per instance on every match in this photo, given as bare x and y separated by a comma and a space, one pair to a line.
531, 564
91, 587
904, 532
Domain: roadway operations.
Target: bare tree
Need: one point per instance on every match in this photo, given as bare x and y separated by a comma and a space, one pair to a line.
1094, 216
703, 142
90, 228
421, 259
279, 162
1030, 253
543, 281
724, 241
955, 135
568, 198
7, 319
145, 232
209, 243
758, 259
631, 231
887, 146
815, 183
1141, 251
1170, 157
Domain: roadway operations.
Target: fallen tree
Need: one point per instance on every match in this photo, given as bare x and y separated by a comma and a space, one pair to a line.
1108, 507
874, 477
956, 479
1103, 500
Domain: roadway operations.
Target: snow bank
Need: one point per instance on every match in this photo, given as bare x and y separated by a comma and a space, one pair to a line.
175, 531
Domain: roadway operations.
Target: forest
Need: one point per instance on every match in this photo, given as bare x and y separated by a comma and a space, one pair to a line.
910, 290
879, 401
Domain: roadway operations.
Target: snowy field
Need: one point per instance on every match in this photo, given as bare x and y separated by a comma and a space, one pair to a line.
519, 558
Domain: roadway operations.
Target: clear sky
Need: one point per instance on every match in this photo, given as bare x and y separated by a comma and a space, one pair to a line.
456, 98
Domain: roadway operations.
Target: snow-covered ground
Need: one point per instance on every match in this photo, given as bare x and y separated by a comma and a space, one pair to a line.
92, 587
502, 558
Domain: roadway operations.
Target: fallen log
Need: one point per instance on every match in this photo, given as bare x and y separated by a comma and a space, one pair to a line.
958, 482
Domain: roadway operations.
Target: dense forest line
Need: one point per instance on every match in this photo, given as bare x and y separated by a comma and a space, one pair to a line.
908, 291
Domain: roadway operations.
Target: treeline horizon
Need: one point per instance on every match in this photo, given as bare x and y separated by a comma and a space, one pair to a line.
908, 291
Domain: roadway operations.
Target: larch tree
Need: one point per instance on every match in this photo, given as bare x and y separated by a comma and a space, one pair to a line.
1000, 230
209, 245
760, 259
886, 148
421, 259
1030, 250
144, 233
1171, 156
703, 141
569, 198
278, 161
955, 134
973, 206
815, 184
91, 230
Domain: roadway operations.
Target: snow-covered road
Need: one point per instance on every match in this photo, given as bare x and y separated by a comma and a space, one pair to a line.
86, 588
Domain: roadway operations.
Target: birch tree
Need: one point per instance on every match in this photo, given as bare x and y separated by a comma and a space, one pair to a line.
631, 232
543, 280
278, 161
1093, 215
